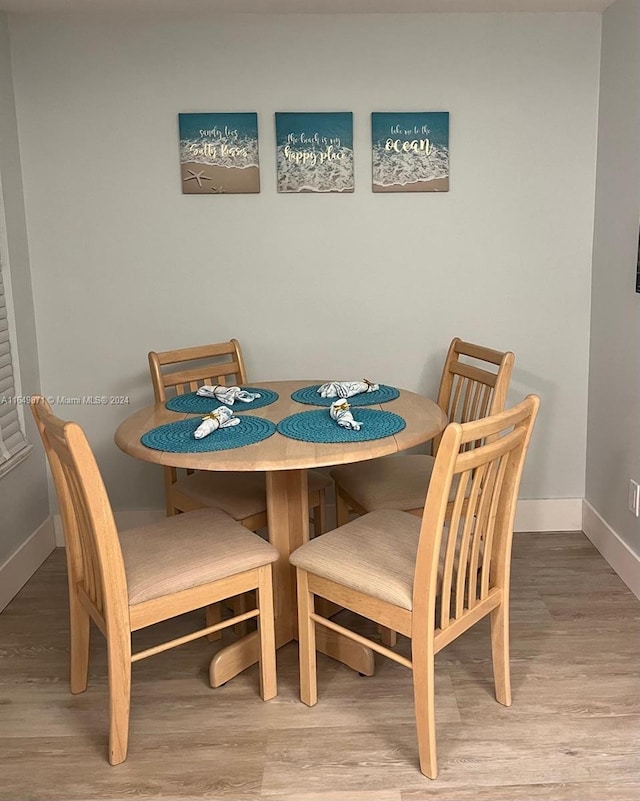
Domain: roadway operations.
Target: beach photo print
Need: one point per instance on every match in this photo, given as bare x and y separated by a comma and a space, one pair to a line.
410, 151
219, 153
314, 151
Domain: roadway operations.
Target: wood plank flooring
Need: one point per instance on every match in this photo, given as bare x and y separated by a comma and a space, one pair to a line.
572, 734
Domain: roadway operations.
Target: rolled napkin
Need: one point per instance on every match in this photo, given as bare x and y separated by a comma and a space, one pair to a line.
222, 417
227, 394
339, 411
345, 389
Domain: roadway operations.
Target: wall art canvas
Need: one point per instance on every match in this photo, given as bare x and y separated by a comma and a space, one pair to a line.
219, 153
314, 151
410, 151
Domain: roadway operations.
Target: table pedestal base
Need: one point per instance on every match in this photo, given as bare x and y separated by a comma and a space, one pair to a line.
288, 515
238, 656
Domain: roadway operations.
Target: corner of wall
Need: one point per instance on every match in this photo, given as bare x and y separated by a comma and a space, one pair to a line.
613, 548
23, 563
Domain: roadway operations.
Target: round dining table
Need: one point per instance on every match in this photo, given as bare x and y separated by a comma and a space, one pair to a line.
285, 462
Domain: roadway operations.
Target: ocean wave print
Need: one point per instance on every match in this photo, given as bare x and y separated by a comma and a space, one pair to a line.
391, 169
315, 171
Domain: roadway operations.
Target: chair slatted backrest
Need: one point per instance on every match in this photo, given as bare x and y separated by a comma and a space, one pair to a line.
186, 369
94, 557
470, 387
465, 541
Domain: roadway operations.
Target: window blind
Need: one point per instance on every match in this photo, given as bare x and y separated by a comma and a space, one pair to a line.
12, 439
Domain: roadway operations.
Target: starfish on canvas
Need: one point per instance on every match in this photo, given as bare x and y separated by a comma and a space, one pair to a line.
197, 176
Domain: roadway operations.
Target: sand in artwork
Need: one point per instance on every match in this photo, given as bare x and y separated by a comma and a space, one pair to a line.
435, 185
208, 179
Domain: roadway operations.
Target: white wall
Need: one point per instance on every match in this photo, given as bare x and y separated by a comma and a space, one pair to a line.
613, 455
23, 491
313, 286
24, 504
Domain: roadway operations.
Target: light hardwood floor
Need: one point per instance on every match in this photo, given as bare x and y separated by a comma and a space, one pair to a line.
572, 734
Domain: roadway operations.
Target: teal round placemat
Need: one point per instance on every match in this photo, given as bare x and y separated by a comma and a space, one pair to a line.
318, 426
178, 437
310, 396
196, 404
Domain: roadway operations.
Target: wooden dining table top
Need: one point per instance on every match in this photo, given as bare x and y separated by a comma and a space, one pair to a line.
423, 417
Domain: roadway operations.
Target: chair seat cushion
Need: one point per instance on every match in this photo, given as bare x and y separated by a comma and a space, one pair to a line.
240, 495
189, 550
397, 482
374, 554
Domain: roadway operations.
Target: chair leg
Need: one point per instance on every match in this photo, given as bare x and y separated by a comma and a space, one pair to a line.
241, 604
342, 510
169, 480
320, 515
119, 661
80, 635
266, 633
388, 637
306, 641
500, 653
424, 699
213, 615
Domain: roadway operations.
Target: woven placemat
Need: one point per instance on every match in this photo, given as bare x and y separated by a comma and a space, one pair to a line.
318, 426
310, 396
178, 437
196, 404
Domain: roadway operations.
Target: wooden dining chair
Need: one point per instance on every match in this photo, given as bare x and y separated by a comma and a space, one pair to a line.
242, 495
429, 579
475, 382
128, 581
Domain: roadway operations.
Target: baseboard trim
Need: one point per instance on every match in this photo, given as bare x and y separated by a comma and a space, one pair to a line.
23, 563
549, 514
613, 548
